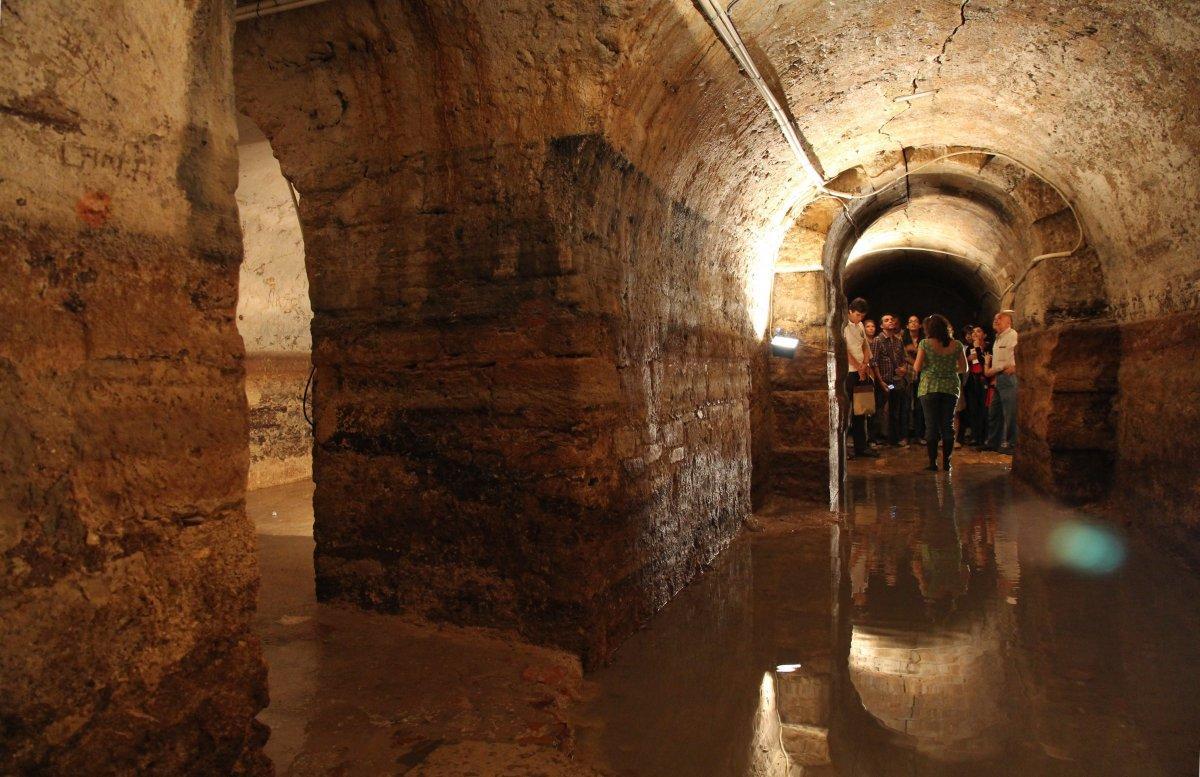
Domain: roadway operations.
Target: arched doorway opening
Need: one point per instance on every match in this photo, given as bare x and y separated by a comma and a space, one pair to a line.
951, 226
274, 316
919, 282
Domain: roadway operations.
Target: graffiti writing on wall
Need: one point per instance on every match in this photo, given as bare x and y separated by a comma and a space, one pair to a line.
130, 161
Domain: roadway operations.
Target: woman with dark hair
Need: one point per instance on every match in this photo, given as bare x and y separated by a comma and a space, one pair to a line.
940, 361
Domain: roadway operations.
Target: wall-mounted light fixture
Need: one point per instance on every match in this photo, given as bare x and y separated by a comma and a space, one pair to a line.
784, 346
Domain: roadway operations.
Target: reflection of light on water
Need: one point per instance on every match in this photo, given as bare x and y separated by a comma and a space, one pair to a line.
1086, 547
940, 691
769, 757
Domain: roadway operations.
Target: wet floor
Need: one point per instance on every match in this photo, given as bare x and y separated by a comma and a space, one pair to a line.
363, 693
945, 624
948, 624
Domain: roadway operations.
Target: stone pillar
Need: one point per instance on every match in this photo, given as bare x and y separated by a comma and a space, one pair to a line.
800, 387
128, 577
532, 368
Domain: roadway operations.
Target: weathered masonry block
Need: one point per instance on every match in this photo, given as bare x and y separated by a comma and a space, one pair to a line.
127, 570
543, 441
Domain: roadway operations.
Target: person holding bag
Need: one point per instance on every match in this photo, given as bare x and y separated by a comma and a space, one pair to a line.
858, 373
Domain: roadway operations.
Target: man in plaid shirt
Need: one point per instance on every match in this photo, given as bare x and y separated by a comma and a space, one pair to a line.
888, 350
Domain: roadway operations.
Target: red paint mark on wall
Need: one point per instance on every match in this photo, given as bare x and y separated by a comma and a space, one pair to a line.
93, 208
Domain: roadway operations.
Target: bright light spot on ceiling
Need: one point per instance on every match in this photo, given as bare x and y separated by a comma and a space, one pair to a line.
761, 277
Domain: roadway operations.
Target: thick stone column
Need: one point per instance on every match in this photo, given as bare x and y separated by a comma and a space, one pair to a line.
128, 571
532, 365
800, 387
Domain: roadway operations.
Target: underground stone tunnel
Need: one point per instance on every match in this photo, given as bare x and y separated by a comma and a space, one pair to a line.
519, 262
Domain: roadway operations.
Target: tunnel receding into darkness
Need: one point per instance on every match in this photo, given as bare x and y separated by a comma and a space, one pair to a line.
904, 283
545, 245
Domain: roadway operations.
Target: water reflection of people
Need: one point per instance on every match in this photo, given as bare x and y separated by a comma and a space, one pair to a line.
925, 655
937, 561
938, 550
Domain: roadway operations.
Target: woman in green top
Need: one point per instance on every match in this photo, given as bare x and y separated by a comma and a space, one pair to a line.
940, 360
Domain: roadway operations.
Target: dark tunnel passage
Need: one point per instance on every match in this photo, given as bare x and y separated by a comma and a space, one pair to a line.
905, 283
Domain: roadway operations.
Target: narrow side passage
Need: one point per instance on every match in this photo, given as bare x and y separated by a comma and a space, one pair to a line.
905, 283
274, 316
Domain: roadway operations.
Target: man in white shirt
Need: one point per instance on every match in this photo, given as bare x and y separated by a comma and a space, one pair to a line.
1002, 415
858, 370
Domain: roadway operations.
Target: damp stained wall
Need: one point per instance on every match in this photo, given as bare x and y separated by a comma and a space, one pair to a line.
127, 574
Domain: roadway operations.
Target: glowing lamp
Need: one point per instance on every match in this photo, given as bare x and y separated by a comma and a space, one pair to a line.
784, 346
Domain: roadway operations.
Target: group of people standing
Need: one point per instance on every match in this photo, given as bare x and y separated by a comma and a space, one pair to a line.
925, 382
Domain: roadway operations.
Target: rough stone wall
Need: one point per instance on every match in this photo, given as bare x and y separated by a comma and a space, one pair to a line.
274, 315
1103, 400
128, 573
800, 388
532, 364
280, 437
1067, 429
1156, 484
761, 423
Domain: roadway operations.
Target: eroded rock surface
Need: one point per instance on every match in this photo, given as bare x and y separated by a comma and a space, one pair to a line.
128, 573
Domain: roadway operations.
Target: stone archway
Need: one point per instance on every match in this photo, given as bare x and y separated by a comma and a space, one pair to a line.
560, 439
984, 216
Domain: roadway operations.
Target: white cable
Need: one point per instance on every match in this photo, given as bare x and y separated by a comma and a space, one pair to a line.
1035, 261
728, 34
262, 8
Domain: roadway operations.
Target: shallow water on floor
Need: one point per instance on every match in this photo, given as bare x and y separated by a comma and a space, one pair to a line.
946, 624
